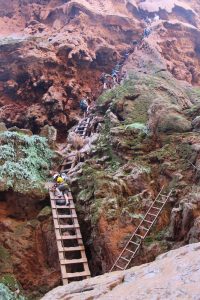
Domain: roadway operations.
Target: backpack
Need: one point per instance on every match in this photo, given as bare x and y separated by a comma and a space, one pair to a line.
83, 105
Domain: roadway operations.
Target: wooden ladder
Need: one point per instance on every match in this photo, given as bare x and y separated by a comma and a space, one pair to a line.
82, 127
72, 257
133, 245
66, 165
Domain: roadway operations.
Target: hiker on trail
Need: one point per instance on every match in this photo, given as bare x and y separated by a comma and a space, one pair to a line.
148, 21
105, 80
114, 76
84, 106
61, 188
126, 55
117, 67
156, 18
147, 32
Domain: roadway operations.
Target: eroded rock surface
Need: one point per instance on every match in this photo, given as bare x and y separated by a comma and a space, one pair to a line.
144, 134
173, 275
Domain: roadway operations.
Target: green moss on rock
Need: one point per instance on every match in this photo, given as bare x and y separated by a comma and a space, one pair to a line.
174, 122
24, 162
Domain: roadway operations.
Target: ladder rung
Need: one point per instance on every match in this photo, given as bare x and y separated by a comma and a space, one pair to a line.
144, 228
67, 226
119, 267
164, 195
130, 250
152, 215
154, 207
73, 261
150, 222
134, 243
65, 216
69, 237
64, 206
121, 257
71, 249
160, 201
77, 274
139, 235
66, 163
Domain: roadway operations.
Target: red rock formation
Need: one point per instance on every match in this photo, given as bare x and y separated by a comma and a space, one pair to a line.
51, 54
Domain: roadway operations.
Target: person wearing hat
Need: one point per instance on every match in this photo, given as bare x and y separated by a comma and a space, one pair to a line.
61, 189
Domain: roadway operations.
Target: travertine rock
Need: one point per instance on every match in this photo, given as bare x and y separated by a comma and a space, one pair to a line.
174, 275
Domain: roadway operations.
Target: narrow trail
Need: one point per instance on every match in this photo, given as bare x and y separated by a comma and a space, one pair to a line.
71, 250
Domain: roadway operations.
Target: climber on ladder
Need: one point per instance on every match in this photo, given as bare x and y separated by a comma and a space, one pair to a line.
114, 76
147, 32
61, 188
148, 21
84, 106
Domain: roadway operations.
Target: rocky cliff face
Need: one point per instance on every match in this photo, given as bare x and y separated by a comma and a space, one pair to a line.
52, 54
55, 56
57, 50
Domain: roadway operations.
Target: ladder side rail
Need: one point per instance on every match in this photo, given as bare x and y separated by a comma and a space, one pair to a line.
133, 255
78, 233
62, 243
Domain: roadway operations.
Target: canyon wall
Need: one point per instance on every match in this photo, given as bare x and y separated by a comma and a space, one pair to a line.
52, 54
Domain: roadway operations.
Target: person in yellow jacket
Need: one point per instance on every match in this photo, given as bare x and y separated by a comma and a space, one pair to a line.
62, 188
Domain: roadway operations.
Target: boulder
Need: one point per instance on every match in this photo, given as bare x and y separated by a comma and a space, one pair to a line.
196, 124
173, 275
173, 122
50, 133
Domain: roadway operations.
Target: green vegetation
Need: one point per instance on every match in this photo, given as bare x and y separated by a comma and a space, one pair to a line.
137, 126
24, 162
8, 287
158, 236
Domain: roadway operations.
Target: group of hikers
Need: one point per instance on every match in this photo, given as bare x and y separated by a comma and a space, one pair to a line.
148, 21
61, 186
110, 80
116, 76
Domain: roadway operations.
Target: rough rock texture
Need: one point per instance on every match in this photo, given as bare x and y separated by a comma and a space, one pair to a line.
28, 253
146, 129
174, 275
57, 50
55, 55
145, 143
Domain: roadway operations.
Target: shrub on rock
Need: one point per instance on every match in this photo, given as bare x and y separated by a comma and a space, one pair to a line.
24, 162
